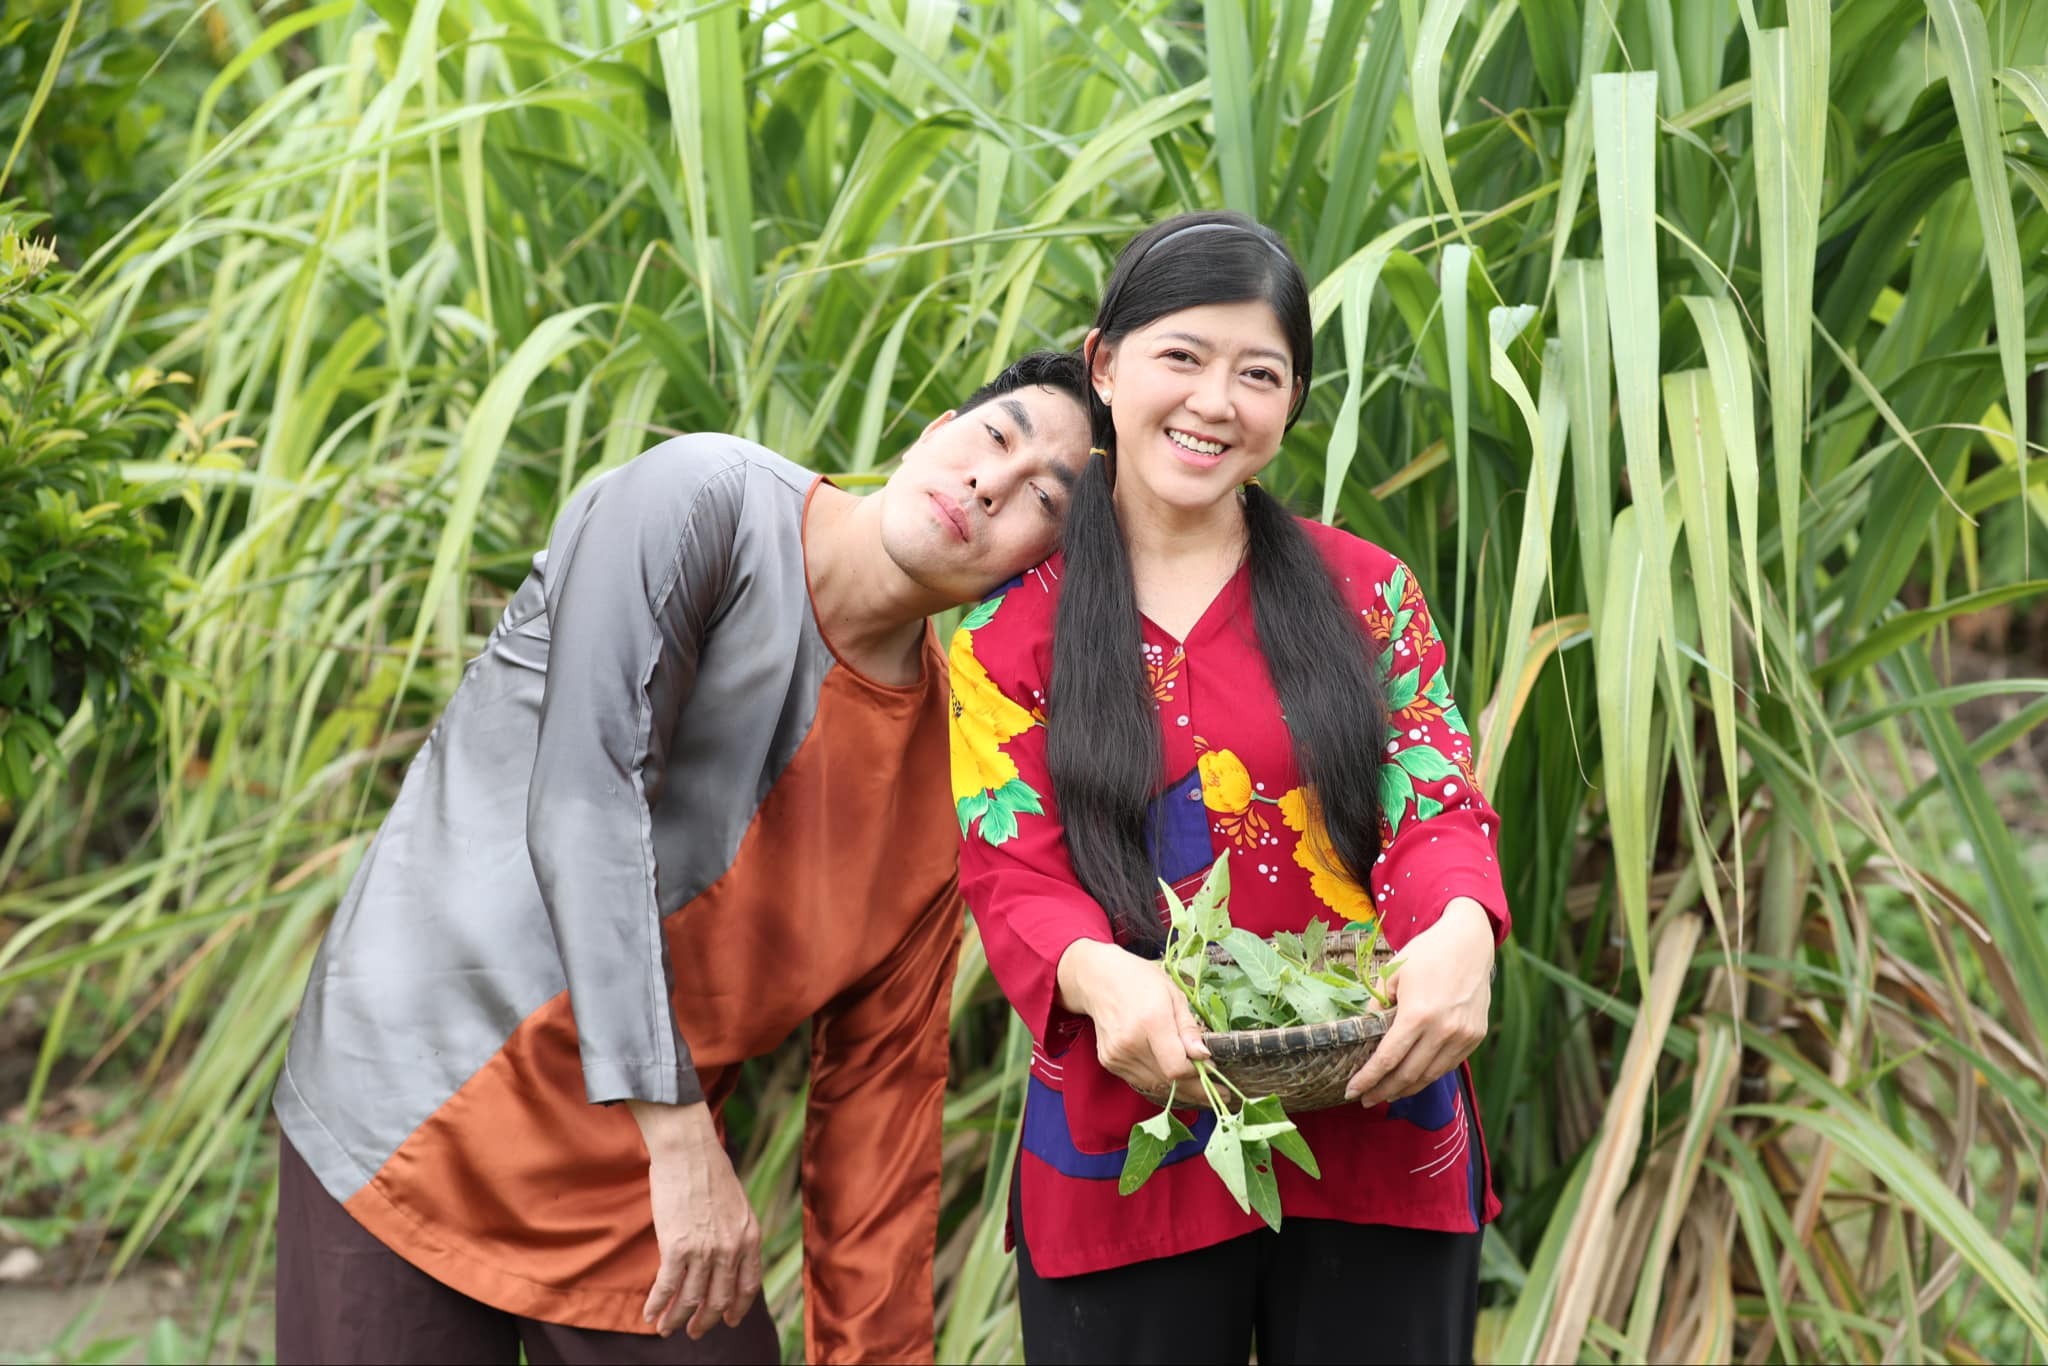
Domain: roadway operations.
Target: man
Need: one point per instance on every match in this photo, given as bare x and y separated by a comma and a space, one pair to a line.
691, 794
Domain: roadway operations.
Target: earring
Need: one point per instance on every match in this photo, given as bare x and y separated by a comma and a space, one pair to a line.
1104, 394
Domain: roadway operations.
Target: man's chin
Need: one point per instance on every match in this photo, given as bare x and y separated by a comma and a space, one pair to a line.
957, 587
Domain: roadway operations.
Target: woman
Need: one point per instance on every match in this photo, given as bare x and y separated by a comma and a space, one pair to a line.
1198, 672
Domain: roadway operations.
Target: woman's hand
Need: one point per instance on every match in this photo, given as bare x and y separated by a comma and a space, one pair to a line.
1443, 986
1144, 1031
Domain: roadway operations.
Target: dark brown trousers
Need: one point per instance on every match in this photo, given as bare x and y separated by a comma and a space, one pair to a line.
344, 1297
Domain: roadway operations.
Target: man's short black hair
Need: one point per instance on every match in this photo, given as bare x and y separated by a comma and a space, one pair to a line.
1060, 370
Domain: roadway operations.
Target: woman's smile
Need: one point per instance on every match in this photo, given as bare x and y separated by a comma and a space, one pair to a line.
1198, 449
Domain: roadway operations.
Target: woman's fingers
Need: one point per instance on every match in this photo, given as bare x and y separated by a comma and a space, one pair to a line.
1416, 1051
1190, 1028
1149, 1041
1170, 1055
1395, 1045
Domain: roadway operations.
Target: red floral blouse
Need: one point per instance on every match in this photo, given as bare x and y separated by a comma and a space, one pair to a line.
1228, 783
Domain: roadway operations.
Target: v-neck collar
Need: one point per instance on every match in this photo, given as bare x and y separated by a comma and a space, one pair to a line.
1233, 596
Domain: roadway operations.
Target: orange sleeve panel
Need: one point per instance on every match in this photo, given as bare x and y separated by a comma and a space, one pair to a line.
871, 1151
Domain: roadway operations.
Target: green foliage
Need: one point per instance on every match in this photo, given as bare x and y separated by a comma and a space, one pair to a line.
110, 133
1257, 985
83, 578
1592, 281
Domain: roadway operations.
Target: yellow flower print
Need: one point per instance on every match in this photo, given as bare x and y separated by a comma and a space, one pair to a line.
1226, 787
982, 719
985, 780
1315, 854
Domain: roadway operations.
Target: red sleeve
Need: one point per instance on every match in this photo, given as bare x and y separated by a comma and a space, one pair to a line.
1440, 838
1015, 873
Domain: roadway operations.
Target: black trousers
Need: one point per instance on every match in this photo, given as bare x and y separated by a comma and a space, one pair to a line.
1316, 1291
344, 1297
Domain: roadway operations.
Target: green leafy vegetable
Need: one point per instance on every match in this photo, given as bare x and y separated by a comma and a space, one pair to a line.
1289, 980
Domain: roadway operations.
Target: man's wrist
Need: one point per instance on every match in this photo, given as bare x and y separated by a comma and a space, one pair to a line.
672, 1130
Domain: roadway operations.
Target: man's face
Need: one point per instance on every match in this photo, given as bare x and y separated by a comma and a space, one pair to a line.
982, 494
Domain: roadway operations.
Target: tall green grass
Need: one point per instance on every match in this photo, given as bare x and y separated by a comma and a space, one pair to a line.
1686, 347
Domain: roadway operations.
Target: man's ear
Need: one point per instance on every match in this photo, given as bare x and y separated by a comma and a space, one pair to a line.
941, 420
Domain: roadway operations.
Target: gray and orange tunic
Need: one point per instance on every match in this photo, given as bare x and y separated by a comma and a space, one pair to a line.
658, 828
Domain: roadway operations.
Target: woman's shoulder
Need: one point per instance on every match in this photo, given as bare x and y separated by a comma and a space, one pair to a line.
1011, 629
1349, 554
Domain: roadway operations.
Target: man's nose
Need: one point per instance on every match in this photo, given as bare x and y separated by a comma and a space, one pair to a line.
986, 488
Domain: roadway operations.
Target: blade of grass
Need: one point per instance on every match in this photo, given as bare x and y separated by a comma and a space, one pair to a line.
1966, 47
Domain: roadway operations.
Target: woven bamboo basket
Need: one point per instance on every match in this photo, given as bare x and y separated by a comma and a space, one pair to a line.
1306, 1066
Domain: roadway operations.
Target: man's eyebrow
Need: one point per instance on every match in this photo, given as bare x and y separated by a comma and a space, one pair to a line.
1266, 351
1061, 473
1018, 416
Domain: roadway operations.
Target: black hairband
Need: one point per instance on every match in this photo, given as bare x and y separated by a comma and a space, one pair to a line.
1213, 227
1109, 304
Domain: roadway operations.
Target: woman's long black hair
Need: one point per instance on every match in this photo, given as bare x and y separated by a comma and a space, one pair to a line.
1103, 743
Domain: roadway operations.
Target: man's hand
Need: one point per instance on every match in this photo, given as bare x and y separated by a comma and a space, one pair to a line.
710, 1243
1144, 1031
1443, 986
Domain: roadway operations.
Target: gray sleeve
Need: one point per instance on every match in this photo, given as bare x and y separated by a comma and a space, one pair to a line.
635, 572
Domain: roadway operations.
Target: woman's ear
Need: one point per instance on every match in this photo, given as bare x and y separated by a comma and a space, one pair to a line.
1101, 364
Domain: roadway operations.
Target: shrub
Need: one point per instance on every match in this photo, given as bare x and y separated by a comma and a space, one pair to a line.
83, 579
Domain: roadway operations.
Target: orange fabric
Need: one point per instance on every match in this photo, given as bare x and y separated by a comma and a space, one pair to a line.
841, 906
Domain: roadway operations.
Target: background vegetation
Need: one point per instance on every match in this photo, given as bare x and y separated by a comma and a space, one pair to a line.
1690, 348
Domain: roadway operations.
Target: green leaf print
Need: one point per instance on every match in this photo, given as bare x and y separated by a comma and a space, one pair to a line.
970, 809
1397, 790
981, 616
1426, 763
1017, 797
999, 825
1402, 690
999, 810
1455, 719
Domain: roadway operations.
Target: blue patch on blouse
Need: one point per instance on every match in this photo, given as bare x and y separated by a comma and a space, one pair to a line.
1047, 1138
1177, 829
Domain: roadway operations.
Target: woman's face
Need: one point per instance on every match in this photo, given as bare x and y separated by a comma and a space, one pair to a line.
1199, 399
